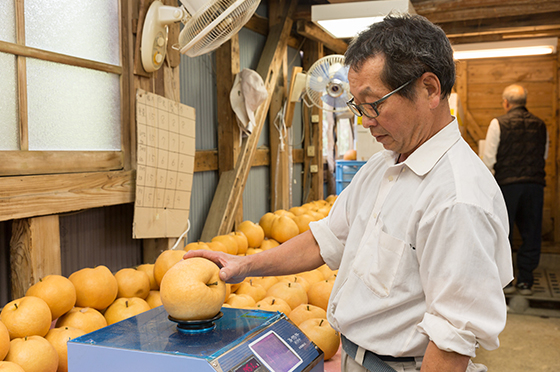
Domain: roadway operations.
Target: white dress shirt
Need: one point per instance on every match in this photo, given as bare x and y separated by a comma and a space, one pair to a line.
422, 251
493, 141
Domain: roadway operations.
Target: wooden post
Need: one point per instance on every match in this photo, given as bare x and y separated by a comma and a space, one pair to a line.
280, 177
228, 65
313, 129
34, 252
231, 184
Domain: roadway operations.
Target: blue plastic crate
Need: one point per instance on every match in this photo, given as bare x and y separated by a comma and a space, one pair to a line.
345, 171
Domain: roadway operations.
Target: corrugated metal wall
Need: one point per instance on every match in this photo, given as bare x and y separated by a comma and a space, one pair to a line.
99, 236
5, 233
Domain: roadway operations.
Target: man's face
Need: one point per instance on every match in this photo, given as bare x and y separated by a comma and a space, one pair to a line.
400, 124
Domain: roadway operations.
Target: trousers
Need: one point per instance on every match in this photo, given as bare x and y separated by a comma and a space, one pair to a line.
347, 364
524, 203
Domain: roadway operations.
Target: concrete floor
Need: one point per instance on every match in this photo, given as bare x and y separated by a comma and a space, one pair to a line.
528, 343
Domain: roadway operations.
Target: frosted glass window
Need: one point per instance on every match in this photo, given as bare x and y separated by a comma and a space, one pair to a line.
85, 29
8, 21
72, 108
9, 128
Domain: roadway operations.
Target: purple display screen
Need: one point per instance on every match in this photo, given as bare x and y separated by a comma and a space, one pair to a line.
276, 354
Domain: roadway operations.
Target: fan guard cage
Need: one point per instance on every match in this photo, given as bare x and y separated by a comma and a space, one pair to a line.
221, 32
322, 75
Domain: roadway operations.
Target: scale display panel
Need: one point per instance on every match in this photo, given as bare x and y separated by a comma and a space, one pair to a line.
276, 354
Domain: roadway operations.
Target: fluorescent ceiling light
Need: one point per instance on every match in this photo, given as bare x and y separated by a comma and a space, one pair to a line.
346, 20
510, 48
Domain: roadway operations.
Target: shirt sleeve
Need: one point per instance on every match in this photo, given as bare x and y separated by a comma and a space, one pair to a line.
331, 232
491, 144
465, 262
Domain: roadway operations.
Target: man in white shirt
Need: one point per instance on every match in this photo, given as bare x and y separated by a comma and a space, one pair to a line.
515, 150
420, 236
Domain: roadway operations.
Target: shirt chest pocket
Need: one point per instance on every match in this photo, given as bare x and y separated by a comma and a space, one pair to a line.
377, 261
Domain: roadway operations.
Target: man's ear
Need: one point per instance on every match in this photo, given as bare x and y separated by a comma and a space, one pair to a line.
432, 86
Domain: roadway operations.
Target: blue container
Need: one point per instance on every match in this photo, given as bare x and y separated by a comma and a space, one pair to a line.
345, 171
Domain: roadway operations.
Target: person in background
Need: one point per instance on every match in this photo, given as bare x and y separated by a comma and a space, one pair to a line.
515, 150
419, 237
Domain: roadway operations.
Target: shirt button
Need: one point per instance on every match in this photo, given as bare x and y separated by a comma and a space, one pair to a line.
390, 178
375, 215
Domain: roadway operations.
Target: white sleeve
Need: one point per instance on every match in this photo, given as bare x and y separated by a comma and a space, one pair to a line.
465, 261
491, 145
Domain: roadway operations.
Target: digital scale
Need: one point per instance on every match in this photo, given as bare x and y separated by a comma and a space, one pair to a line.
236, 340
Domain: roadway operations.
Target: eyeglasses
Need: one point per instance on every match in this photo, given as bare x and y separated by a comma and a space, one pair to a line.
370, 109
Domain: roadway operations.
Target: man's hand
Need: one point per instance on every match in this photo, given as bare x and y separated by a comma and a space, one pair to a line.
436, 360
233, 269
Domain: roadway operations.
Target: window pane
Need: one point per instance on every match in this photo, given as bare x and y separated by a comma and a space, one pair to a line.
85, 29
9, 128
72, 108
8, 22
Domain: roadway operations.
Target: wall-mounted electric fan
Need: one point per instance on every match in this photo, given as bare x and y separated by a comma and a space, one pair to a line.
207, 25
326, 82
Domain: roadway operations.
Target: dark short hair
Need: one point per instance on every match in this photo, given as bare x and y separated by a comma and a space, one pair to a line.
411, 45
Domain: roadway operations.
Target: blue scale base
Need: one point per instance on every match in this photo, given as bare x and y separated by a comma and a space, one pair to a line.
241, 341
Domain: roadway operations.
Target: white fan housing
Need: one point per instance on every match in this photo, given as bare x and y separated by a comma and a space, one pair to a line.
326, 82
207, 25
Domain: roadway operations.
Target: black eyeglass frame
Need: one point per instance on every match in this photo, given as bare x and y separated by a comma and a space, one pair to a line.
358, 111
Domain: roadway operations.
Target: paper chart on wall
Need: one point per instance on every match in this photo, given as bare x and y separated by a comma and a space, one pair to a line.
165, 154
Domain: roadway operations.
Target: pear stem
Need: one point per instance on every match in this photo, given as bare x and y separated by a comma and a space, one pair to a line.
209, 284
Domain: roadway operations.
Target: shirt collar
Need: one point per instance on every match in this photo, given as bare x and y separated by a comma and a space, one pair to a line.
425, 157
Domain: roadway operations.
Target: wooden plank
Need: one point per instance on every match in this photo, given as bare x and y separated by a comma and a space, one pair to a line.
142, 9
313, 181
128, 106
487, 95
45, 162
502, 25
259, 24
230, 187
290, 106
30, 196
508, 70
462, 10
229, 134
34, 252
45, 55
207, 160
280, 179
227, 66
21, 78
313, 32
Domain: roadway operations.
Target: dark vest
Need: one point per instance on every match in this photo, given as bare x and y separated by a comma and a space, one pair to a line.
520, 156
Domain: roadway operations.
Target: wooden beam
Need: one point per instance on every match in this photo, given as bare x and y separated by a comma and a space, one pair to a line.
313, 32
231, 184
313, 129
290, 106
227, 66
34, 252
207, 160
464, 10
21, 163
29, 196
501, 25
259, 24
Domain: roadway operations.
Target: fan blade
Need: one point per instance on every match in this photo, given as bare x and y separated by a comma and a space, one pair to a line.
341, 74
338, 102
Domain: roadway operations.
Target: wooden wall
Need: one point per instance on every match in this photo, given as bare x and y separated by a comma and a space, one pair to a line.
480, 84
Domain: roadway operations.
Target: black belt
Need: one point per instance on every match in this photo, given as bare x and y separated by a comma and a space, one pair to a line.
373, 361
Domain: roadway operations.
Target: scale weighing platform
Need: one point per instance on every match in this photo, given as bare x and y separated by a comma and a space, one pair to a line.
237, 340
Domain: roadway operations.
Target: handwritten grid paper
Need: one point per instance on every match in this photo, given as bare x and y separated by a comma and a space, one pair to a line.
165, 154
